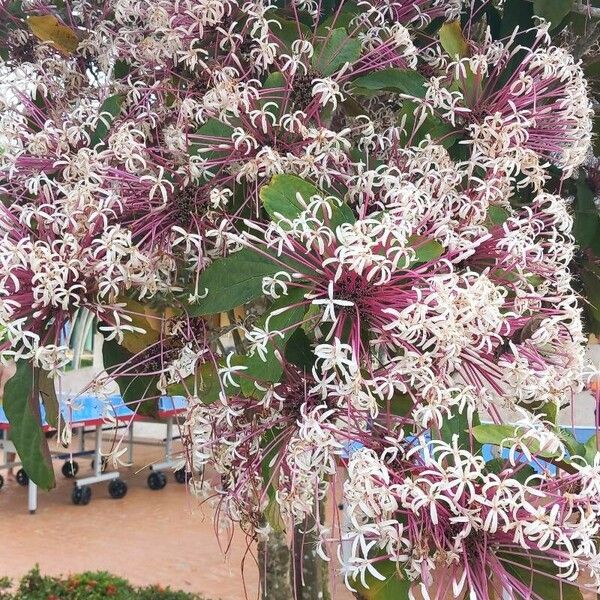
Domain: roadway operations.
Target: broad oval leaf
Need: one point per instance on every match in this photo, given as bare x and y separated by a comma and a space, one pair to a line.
554, 11
280, 199
489, 433
109, 111
138, 390
48, 28
233, 281
393, 80
288, 321
335, 51
453, 40
538, 575
426, 250
22, 408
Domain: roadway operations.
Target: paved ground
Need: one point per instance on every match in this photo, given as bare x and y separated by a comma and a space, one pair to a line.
150, 537
161, 537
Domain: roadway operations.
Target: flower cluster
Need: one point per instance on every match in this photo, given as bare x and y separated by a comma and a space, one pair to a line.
335, 232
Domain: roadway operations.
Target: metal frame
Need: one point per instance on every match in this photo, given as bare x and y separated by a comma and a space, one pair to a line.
6, 446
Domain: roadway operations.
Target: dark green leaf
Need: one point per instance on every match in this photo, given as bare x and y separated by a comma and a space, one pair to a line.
585, 223
299, 351
280, 199
521, 474
210, 135
440, 131
49, 399
288, 30
337, 49
204, 382
109, 111
539, 576
138, 390
121, 69
457, 424
392, 80
270, 370
516, 13
496, 215
22, 408
554, 11
232, 281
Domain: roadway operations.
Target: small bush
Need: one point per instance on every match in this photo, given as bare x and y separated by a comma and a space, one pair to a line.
85, 586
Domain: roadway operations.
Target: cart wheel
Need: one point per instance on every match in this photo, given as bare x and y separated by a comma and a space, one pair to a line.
104, 464
70, 468
157, 480
22, 478
117, 488
1, 482
81, 494
182, 476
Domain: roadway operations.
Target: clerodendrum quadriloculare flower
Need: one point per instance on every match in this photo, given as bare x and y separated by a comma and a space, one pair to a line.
416, 270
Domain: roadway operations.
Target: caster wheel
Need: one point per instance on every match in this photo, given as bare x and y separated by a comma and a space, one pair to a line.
104, 464
70, 469
81, 495
182, 476
22, 478
117, 488
1, 482
157, 480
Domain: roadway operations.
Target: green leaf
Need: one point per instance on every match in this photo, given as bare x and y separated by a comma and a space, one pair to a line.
121, 69
539, 575
299, 352
425, 250
440, 131
516, 13
22, 408
139, 391
210, 135
49, 399
590, 449
392, 80
333, 17
337, 49
279, 197
232, 281
205, 382
452, 39
590, 276
496, 215
554, 11
394, 587
488, 433
571, 443
458, 425
270, 370
497, 465
585, 223
109, 111
288, 31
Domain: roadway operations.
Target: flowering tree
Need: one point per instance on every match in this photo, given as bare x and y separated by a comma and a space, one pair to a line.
340, 229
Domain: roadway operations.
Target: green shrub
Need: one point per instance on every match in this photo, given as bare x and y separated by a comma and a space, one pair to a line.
85, 586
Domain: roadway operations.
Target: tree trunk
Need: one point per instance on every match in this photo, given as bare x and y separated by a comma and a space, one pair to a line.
310, 575
274, 564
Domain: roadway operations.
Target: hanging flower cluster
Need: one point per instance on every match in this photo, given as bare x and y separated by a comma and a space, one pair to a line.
334, 228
